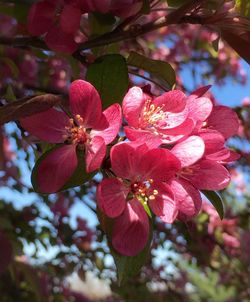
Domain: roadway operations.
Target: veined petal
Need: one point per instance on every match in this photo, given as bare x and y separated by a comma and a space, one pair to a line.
70, 19
171, 101
143, 136
199, 108
209, 175
41, 17
113, 116
189, 151
85, 101
164, 204
95, 153
131, 230
48, 126
132, 105
111, 196
158, 164
188, 199
213, 140
56, 169
224, 120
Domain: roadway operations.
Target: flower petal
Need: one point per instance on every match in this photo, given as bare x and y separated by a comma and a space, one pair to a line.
164, 204
58, 40
41, 17
142, 136
200, 92
70, 19
199, 108
131, 230
224, 120
188, 199
172, 101
209, 175
213, 140
111, 196
48, 125
189, 151
132, 105
113, 116
95, 153
158, 164
56, 169
85, 101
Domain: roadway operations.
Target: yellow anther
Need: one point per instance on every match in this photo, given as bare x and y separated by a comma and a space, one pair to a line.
151, 197
155, 192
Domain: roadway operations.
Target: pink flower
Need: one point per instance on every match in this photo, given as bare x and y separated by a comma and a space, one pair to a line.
90, 130
59, 20
196, 174
120, 8
165, 116
139, 185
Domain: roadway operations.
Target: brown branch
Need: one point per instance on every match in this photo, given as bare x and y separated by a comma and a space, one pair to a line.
27, 106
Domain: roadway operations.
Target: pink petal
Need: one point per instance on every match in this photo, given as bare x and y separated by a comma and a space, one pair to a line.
124, 160
111, 196
56, 169
170, 136
85, 101
213, 140
209, 175
95, 153
224, 155
164, 204
41, 17
58, 40
157, 164
224, 120
200, 92
189, 151
172, 101
132, 105
199, 108
188, 199
70, 19
48, 125
101, 6
142, 137
131, 230
113, 115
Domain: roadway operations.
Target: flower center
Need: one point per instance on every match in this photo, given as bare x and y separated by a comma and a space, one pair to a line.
152, 115
143, 191
76, 133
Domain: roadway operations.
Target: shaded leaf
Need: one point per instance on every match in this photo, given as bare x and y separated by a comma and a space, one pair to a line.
109, 75
243, 7
160, 69
216, 201
27, 106
101, 23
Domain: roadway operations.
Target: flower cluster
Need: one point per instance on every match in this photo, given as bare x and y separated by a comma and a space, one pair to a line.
174, 147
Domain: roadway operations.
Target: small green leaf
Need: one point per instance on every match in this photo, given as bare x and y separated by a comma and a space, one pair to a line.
127, 267
216, 201
243, 7
177, 3
100, 23
78, 178
160, 69
109, 75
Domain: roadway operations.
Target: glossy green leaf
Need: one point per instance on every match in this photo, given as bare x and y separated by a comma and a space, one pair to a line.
159, 69
216, 201
109, 75
78, 178
243, 7
127, 267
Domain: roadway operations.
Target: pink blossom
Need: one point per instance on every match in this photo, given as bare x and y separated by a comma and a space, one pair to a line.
139, 184
59, 20
164, 116
89, 129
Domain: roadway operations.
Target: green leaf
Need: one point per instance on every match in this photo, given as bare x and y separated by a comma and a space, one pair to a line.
145, 7
216, 201
243, 7
160, 69
127, 267
177, 3
101, 23
78, 178
109, 75
19, 11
